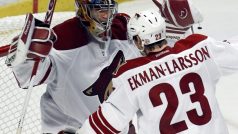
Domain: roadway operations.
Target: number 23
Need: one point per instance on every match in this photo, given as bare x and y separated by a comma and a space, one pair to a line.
170, 94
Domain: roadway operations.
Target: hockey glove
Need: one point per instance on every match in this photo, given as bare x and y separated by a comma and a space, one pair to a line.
34, 42
180, 13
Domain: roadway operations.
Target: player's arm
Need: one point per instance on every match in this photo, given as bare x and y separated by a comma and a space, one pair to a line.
225, 54
108, 119
114, 114
119, 31
34, 43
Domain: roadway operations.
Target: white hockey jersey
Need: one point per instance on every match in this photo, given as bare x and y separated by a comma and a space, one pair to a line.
78, 72
172, 92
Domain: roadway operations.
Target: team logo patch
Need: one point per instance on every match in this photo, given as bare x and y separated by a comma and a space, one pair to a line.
103, 87
183, 13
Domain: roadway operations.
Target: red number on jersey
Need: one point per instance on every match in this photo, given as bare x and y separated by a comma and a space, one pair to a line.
165, 123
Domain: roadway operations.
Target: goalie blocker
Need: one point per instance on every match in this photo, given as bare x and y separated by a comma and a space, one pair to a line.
180, 13
180, 16
34, 43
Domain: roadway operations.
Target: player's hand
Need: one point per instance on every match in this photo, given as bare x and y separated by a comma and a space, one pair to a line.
34, 42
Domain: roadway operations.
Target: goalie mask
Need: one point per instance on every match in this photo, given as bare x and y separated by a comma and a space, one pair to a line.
146, 28
96, 15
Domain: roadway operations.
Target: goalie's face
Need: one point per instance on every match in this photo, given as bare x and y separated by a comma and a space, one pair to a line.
102, 15
98, 14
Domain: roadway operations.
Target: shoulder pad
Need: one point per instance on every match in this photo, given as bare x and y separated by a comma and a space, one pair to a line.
70, 34
119, 26
189, 42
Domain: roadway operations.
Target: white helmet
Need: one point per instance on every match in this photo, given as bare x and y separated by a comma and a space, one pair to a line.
148, 25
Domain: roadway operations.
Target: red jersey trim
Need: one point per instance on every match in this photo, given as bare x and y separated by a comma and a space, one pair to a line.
93, 125
99, 123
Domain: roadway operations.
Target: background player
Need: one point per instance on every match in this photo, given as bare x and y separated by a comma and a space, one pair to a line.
78, 69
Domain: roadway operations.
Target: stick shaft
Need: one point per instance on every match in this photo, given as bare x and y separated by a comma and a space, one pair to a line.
48, 19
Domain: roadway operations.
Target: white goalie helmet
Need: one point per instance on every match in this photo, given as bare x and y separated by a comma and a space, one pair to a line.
149, 25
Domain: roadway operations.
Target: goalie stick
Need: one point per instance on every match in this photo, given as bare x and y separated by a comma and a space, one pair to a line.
4, 51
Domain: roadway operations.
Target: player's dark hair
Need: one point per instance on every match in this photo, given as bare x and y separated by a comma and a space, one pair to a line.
152, 46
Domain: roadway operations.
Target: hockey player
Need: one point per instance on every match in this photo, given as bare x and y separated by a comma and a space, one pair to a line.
78, 70
172, 90
87, 50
